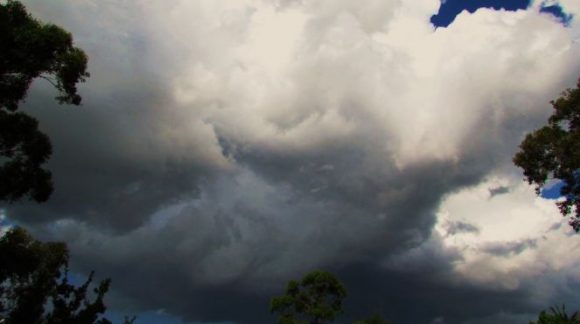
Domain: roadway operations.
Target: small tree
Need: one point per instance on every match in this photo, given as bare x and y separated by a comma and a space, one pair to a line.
317, 298
553, 151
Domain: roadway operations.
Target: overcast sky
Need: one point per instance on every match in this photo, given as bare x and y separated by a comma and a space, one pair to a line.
225, 147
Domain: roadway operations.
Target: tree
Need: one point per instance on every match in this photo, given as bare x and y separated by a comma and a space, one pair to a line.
553, 152
34, 287
317, 298
557, 316
29, 50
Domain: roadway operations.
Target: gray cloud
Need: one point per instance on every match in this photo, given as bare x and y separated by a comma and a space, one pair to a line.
498, 191
509, 248
201, 175
458, 227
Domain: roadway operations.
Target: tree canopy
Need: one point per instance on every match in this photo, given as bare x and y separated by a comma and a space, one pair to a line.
553, 152
31, 50
317, 298
34, 286
557, 316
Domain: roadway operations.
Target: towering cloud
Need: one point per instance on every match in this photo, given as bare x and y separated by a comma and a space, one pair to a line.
227, 146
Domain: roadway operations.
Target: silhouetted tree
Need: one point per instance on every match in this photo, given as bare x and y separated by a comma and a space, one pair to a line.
317, 298
557, 316
29, 50
553, 152
34, 287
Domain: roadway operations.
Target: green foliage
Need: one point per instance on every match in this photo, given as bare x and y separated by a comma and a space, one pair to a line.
553, 151
317, 298
30, 50
34, 287
375, 319
557, 316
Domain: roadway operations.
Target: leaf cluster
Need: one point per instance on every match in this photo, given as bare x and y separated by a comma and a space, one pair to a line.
553, 152
557, 316
315, 299
34, 286
31, 49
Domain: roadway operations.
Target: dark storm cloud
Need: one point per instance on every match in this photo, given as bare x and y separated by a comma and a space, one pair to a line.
388, 293
118, 158
200, 181
105, 168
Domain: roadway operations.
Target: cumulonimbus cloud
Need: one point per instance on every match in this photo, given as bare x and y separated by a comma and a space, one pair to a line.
239, 144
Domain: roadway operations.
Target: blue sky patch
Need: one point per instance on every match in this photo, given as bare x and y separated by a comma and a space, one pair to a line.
557, 11
449, 9
553, 190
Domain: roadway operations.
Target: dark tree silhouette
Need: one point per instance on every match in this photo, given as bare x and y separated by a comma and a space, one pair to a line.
34, 287
557, 316
553, 152
29, 50
317, 298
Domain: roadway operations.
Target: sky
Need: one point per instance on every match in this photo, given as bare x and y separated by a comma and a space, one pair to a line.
226, 147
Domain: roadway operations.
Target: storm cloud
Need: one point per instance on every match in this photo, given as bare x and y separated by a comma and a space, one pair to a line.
226, 147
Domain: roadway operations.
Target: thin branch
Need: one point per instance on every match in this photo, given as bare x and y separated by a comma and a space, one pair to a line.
51, 81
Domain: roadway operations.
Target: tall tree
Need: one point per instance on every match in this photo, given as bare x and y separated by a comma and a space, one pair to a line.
34, 287
553, 152
316, 299
29, 50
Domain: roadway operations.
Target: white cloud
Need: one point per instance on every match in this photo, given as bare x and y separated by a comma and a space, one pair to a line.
312, 73
520, 226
